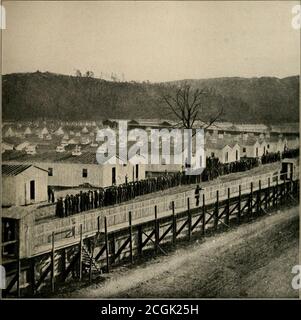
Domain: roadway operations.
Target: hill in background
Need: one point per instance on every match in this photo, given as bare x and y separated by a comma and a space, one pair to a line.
53, 96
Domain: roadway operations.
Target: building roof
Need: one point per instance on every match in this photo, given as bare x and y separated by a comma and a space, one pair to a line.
273, 139
251, 141
285, 128
218, 145
15, 169
87, 157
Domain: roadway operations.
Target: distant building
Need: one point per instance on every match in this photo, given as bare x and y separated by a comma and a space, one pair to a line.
66, 136
85, 130
9, 133
23, 184
44, 131
71, 171
291, 142
48, 137
255, 128
6, 146
31, 149
250, 148
225, 151
85, 140
73, 141
59, 132
78, 134
275, 144
22, 146
288, 128
28, 131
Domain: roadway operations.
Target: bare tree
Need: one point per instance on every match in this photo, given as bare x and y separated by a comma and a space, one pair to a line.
188, 107
78, 73
89, 74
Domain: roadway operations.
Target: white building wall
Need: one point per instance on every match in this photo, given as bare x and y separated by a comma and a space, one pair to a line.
250, 150
8, 190
16, 189
232, 157
23, 179
224, 158
71, 174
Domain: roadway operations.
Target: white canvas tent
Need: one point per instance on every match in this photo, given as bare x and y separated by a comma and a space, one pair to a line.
44, 131
27, 131
59, 131
85, 130
9, 133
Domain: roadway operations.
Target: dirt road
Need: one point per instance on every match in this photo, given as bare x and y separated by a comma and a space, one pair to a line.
252, 260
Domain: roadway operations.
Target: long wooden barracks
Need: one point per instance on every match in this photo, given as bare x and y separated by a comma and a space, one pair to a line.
73, 171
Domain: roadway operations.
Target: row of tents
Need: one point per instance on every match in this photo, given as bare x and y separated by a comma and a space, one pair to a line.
45, 132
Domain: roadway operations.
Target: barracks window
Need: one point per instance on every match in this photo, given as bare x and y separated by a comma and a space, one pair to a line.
85, 173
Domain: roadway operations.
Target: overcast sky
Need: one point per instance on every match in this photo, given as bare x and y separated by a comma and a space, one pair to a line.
152, 41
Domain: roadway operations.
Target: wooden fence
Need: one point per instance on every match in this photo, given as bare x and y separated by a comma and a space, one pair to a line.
97, 253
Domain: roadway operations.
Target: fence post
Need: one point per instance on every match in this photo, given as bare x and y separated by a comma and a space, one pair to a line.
204, 216
32, 276
239, 204
286, 186
216, 212
81, 253
267, 196
227, 216
174, 224
276, 193
290, 186
18, 248
156, 231
189, 219
91, 261
52, 263
107, 245
258, 207
139, 240
274, 196
251, 200
131, 237
98, 224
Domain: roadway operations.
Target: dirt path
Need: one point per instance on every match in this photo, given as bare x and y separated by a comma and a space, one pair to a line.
253, 260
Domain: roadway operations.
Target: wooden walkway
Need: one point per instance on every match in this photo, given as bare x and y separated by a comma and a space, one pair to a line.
94, 254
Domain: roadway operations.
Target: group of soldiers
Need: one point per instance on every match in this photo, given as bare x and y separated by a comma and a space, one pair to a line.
277, 156
290, 153
271, 157
214, 168
112, 195
79, 202
50, 192
103, 197
238, 166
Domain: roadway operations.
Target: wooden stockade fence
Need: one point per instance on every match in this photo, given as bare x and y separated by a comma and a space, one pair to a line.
98, 253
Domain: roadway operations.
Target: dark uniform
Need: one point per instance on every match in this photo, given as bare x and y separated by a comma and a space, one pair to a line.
197, 195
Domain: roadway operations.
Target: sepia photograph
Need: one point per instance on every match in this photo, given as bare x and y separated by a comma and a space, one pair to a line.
150, 150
